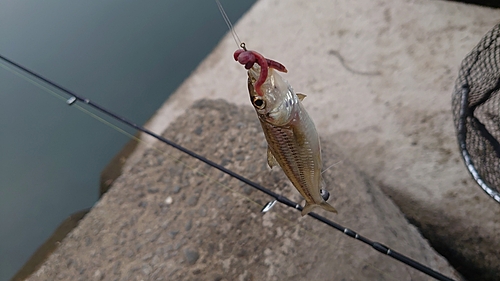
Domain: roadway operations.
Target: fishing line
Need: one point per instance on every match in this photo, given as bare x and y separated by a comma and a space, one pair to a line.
230, 25
334, 164
282, 199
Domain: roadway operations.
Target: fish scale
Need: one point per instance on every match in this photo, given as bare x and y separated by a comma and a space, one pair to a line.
296, 159
293, 141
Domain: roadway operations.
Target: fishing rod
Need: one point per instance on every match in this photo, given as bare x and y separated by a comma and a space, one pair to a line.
277, 197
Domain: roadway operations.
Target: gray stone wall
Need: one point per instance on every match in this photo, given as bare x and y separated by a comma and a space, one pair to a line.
170, 217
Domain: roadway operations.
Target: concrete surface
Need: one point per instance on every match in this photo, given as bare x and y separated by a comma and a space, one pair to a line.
170, 217
49, 246
379, 76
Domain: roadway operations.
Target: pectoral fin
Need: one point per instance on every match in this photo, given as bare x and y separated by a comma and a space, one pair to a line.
271, 160
301, 96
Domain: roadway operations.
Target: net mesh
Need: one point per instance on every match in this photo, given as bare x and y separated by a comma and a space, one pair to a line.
476, 111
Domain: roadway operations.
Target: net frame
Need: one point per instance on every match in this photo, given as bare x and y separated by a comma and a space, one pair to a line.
476, 112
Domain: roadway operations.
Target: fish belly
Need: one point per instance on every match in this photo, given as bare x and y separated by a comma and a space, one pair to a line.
296, 149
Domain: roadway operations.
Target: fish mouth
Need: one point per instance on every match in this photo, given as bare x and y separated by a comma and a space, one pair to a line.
254, 73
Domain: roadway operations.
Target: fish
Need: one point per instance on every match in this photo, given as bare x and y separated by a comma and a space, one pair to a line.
293, 141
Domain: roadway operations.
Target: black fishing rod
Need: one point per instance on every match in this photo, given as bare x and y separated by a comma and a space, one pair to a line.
282, 199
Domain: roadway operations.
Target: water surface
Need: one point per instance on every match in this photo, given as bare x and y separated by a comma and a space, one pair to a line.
128, 56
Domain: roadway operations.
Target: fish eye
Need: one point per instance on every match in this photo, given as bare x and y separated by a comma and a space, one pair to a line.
259, 103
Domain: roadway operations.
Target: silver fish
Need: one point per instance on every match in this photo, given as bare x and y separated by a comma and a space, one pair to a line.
293, 141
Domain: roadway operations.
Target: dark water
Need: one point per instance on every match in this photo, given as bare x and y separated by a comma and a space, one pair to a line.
126, 55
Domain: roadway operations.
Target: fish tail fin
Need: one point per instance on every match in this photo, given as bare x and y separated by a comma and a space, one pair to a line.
310, 206
328, 207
